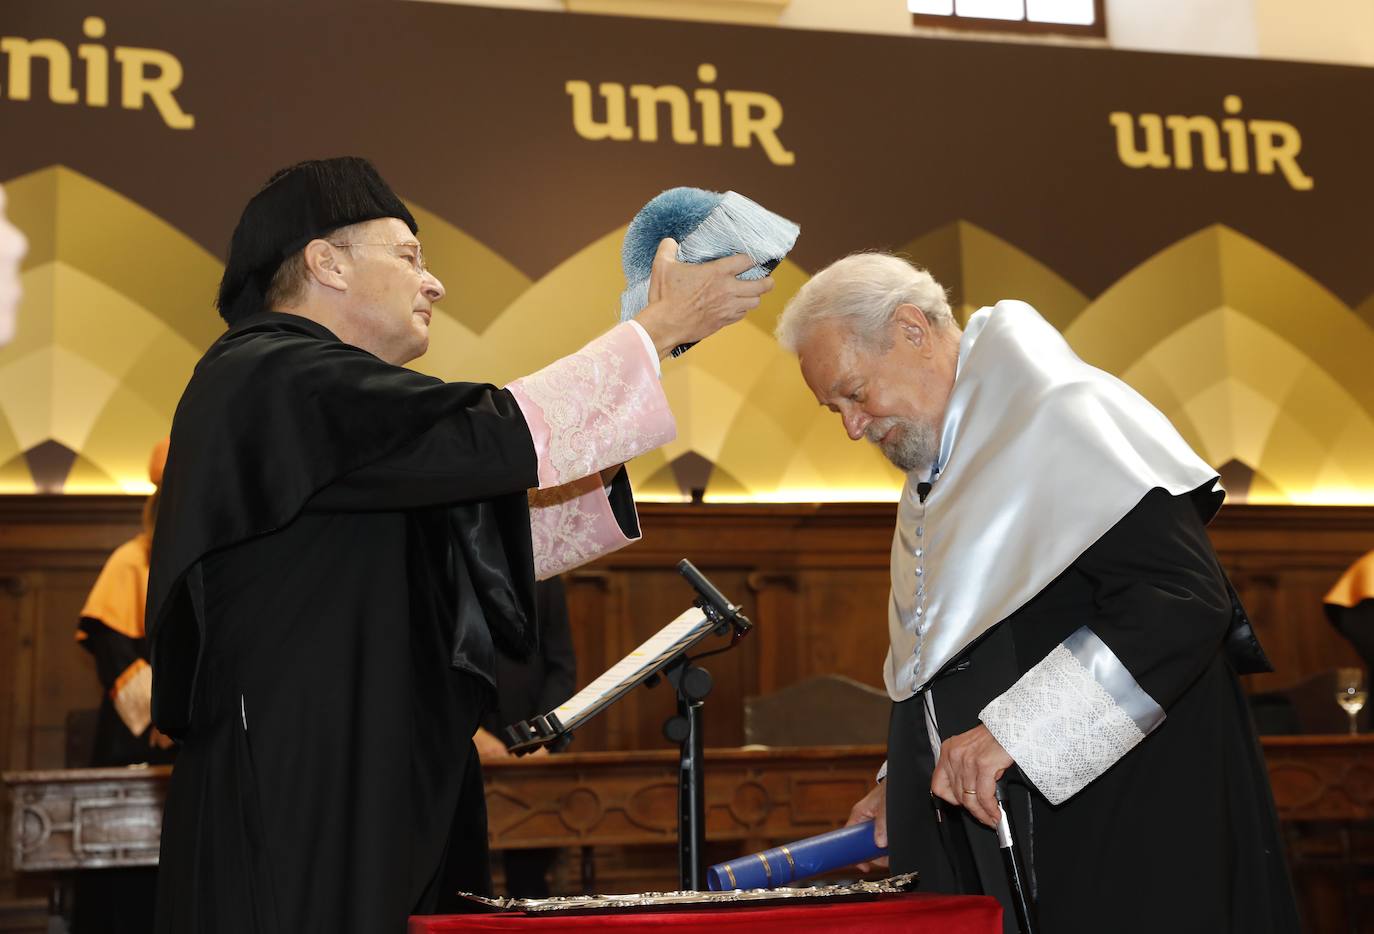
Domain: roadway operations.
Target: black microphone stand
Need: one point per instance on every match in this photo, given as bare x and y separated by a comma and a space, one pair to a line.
693, 684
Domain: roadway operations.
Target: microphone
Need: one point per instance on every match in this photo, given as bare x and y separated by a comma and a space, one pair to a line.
707, 590
923, 490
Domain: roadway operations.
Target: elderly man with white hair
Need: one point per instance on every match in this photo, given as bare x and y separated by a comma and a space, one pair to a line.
1058, 619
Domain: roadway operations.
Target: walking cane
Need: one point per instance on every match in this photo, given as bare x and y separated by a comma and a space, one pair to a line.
1016, 872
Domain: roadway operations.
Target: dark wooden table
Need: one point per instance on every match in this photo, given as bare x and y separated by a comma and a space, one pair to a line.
97, 818
1322, 778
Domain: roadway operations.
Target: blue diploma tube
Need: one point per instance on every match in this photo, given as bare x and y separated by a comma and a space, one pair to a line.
800, 860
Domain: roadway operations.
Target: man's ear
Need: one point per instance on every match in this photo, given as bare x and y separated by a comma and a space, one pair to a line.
914, 327
325, 264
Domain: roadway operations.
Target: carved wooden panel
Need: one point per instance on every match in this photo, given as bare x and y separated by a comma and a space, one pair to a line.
1322, 778
631, 798
86, 819
107, 817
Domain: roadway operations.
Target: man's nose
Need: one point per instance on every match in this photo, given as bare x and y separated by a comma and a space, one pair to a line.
432, 287
855, 422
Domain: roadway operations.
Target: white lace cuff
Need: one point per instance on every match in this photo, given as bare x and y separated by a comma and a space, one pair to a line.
1072, 716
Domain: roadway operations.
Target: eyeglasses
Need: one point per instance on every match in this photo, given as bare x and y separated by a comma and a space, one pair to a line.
411, 252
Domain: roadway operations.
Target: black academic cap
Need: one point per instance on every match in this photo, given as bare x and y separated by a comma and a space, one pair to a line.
299, 204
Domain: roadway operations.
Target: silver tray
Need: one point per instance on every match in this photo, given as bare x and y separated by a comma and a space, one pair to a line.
660, 901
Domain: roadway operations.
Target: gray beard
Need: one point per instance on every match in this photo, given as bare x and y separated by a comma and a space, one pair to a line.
914, 447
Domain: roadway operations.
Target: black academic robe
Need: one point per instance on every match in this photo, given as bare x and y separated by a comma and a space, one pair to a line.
537, 684
341, 545
525, 689
1180, 834
1356, 623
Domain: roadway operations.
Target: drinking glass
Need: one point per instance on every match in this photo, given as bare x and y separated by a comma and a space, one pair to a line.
1351, 692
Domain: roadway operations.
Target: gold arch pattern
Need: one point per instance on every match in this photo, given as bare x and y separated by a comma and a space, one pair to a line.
1256, 362
106, 337
979, 268
1251, 358
1365, 311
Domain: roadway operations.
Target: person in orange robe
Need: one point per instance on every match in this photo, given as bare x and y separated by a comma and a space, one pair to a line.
111, 629
121, 901
1350, 607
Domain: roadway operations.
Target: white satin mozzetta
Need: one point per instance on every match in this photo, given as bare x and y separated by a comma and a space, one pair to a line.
1040, 454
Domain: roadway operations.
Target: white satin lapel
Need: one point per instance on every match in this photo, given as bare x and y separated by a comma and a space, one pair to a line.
1041, 454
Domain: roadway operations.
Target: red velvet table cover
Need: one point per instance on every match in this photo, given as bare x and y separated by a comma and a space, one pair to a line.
894, 914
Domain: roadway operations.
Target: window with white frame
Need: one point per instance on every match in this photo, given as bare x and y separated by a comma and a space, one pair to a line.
1066, 17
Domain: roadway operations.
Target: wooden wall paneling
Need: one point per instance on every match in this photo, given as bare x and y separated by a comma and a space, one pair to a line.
1258, 589
591, 596
14, 641
12, 589
64, 673
1311, 644
779, 632
846, 623
734, 673
1283, 560
21, 694
655, 596
813, 578
1286, 608
65, 531
620, 639
774, 551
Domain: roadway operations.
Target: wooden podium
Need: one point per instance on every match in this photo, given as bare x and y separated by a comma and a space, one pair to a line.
86, 818
100, 818
89, 819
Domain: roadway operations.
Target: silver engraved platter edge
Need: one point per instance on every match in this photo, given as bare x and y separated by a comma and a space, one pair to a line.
857, 891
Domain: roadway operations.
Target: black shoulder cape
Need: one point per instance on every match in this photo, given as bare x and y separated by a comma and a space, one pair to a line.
276, 410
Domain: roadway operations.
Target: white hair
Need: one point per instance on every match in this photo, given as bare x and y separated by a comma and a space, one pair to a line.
865, 289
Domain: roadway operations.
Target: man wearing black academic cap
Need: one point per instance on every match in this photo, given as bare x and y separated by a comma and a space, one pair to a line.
342, 546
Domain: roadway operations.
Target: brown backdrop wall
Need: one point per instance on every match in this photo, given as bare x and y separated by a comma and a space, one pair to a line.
1197, 226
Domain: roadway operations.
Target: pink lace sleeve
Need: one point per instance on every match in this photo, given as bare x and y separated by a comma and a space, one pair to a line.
594, 409
571, 525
